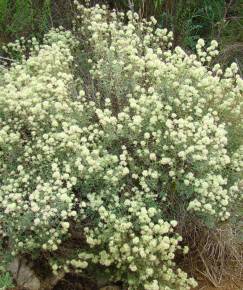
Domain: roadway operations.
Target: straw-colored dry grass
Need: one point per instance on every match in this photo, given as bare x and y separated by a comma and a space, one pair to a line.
215, 256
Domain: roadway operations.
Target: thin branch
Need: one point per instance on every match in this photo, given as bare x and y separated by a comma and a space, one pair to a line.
6, 58
131, 5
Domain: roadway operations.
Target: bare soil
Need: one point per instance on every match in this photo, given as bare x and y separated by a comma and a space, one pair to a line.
230, 285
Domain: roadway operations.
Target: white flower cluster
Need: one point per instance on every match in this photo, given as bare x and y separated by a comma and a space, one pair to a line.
176, 108
111, 145
131, 238
207, 54
36, 201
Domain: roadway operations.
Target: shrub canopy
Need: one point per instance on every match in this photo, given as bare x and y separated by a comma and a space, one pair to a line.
109, 139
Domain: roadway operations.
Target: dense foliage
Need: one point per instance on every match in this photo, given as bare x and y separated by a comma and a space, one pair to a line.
110, 139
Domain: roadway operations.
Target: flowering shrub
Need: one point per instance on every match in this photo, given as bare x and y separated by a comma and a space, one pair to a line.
107, 140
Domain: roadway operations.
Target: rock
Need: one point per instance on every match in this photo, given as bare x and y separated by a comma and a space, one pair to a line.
50, 282
24, 275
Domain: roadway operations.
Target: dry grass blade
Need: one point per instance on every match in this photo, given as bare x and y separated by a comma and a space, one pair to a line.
215, 254
232, 52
